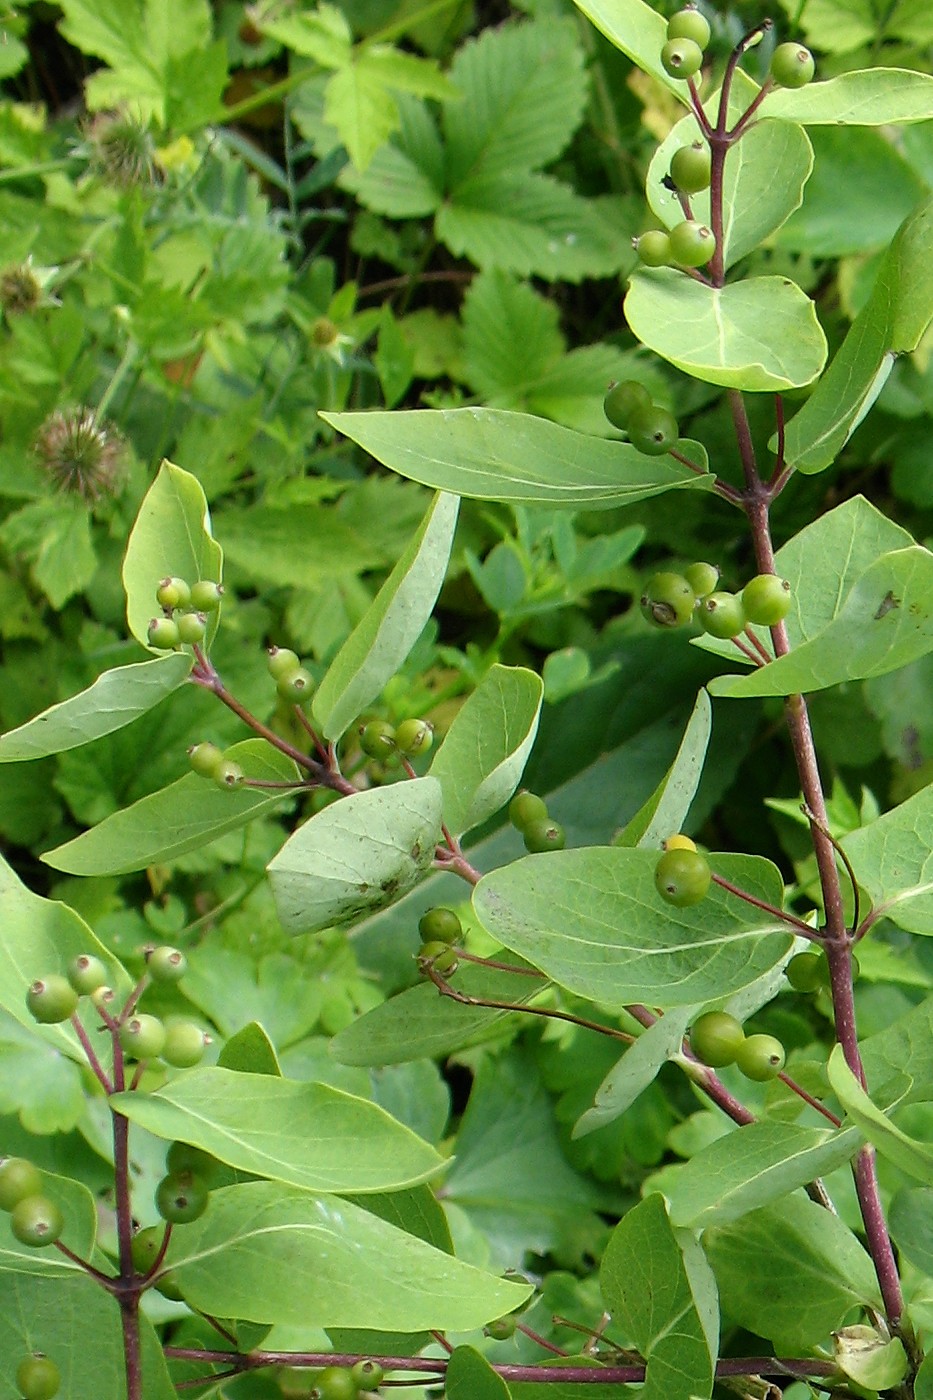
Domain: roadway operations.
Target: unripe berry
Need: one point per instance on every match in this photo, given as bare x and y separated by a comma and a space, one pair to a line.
185, 1044
715, 1038
760, 1057
691, 167
688, 23
163, 633
145, 1246
205, 759
228, 774
766, 599
36, 1221
191, 627
377, 739
52, 999
622, 400
86, 973
544, 835
297, 687
805, 972
668, 600
334, 1383
722, 615
501, 1328
653, 430
653, 248
440, 956
281, 662
166, 964
19, 1178
527, 807
792, 65
679, 843
173, 593
184, 1157
142, 1036
182, 1198
681, 58
368, 1375
682, 878
702, 578
206, 596
413, 737
692, 243
38, 1377
439, 926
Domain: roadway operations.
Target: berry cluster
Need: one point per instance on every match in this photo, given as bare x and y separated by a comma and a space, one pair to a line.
682, 875
671, 600
294, 682
34, 1219
185, 609
440, 931
333, 1383
651, 429
717, 1039
528, 814
208, 761
383, 741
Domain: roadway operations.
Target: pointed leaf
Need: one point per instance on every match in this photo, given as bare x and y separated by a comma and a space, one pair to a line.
183, 817
499, 456
250, 1051
485, 750
666, 809
381, 641
406, 177
863, 97
357, 856
758, 334
914, 1158
636, 1069
469, 1376
304, 1134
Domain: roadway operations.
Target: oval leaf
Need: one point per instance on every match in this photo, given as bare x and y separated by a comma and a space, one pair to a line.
864, 97
469, 1376
913, 1157
893, 860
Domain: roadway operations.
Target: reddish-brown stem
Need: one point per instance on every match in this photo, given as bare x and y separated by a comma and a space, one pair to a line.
549, 1013
128, 1299
758, 644
540, 1341
498, 966
802, 1093
105, 1280
97, 1068
767, 908
442, 1341
746, 652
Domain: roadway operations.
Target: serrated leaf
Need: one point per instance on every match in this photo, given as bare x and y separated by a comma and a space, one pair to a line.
485, 750
268, 1253
170, 538
666, 810
663, 1295
863, 97
304, 1134
494, 455
295, 546
385, 635
181, 817
115, 699
361, 110
758, 334
469, 1376
357, 856
593, 921
913, 1157
406, 178
511, 335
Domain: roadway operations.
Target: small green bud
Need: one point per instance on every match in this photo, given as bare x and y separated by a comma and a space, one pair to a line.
173, 593
163, 633
206, 596
191, 627
413, 737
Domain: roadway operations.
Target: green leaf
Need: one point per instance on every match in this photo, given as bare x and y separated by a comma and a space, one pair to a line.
636, 1069
171, 537
905, 1047
298, 545
892, 322
234, 988
500, 456
817, 1271
923, 1382
357, 855
115, 699
661, 1292
666, 810
267, 1253
914, 1158
485, 750
893, 860
406, 178
863, 97
469, 1376
250, 1051
911, 1221
639, 31
758, 334
45, 1090
362, 110
181, 817
874, 1361
593, 921
752, 1166
308, 1135
79, 1212
385, 635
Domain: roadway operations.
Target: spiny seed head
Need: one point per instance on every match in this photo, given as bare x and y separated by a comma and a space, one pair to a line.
22, 288
83, 457
121, 149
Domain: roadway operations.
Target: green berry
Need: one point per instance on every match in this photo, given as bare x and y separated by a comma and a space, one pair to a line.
36, 1221
181, 1198
760, 1057
805, 972
334, 1383
185, 1044
206, 596
368, 1375
722, 615
439, 926
38, 1377
679, 843
414, 737
668, 600
228, 774
183, 1157
766, 599
205, 759
622, 400
281, 662
692, 243
502, 1328
173, 593
715, 1038
792, 65
19, 1178
86, 973
682, 878
52, 999
297, 687
145, 1246
377, 739
527, 807
142, 1036
166, 964
702, 578
167, 1285
653, 430
294, 1382
544, 835
653, 248
191, 627
690, 167
440, 956
163, 633
681, 58
688, 23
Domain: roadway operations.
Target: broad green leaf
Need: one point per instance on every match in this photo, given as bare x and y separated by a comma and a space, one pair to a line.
171, 537
46, 1091
911, 1221
295, 546
182, 817
308, 1135
323, 34
817, 1271
250, 1051
863, 97
500, 456
383, 638
593, 921
469, 1376
905, 1047
357, 855
269, 1253
666, 809
758, 334
639, 31
884, 622
486, 748
661, 1293
892, 322
893, 860
913, 1157
636, 1069
362, 110
406, 178
764, 179
752, 1166
115, 699
923, 1382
